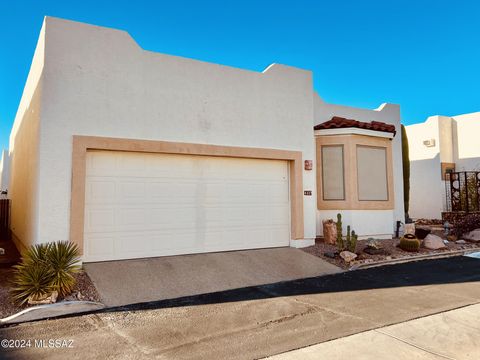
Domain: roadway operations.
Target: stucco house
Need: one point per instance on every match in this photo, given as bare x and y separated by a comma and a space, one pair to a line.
131, 153
438, 145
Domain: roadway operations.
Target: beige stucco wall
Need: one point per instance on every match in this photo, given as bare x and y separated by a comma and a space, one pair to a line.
426, 200
99, 82
378, 223
95, 81
466, 146
456, 141
24, 156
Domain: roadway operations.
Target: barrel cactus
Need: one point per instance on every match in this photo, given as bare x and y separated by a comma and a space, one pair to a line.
410, 243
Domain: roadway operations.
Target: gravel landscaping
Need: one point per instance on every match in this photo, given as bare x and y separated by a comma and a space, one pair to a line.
390, 247
84, 290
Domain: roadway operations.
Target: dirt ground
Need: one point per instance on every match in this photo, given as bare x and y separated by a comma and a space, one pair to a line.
84, 286
390, 246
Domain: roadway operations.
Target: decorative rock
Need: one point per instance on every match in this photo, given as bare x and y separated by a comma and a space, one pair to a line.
331, 254
374, 244
460, 241
433, 242
329, 232
46, 299
472, 236
348, 256
409, 229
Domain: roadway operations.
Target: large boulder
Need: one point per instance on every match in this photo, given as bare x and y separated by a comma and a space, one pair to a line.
433, 242
472, 236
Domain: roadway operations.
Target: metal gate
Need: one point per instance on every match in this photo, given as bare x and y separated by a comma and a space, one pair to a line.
463, 191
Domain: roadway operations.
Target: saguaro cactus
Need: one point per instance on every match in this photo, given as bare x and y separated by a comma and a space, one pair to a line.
348, 237
352, 245
339, 233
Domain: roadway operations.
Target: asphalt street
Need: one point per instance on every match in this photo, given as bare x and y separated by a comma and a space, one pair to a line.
257, 321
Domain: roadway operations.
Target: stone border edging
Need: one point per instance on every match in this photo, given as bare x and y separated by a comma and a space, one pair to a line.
42, 312
412, 258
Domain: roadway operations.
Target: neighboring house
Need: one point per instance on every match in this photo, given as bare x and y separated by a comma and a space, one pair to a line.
4, 172
131, 153
438, 145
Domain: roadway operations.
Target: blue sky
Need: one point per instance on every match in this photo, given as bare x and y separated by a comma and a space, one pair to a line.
423, 55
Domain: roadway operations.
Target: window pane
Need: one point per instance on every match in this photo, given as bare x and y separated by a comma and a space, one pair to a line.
332, 173
372, 173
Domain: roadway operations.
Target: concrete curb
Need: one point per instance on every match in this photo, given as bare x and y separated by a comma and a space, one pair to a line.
41, 312
412, 258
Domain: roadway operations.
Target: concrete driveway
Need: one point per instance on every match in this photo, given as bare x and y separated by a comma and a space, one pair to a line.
143, 280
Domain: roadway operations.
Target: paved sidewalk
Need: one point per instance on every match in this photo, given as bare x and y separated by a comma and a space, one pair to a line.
450, 335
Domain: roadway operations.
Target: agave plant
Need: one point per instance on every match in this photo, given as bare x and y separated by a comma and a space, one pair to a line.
45, 268
36, 253
33, 279
63, 257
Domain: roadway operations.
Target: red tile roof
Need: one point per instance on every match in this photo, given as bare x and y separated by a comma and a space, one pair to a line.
339, 122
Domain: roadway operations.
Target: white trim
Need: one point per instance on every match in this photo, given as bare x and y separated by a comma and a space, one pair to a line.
302, 243
356, 131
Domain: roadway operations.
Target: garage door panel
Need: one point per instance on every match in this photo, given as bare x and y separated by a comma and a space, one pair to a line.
143, 205
100, 220
131, 190
100, 246
103, 164
131, 219
100, 191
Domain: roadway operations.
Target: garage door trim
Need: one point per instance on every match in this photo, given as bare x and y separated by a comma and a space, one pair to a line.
81, 144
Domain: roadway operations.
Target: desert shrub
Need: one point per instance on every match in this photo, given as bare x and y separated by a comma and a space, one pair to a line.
468, 223
45, 268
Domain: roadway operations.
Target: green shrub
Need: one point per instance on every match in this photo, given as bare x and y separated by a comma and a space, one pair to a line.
45, 268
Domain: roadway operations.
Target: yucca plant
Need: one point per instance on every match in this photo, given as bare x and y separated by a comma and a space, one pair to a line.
63, 257
45, 268
31, 280
36, 253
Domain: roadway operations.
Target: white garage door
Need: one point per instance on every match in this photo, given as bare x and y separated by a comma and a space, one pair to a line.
144, 205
